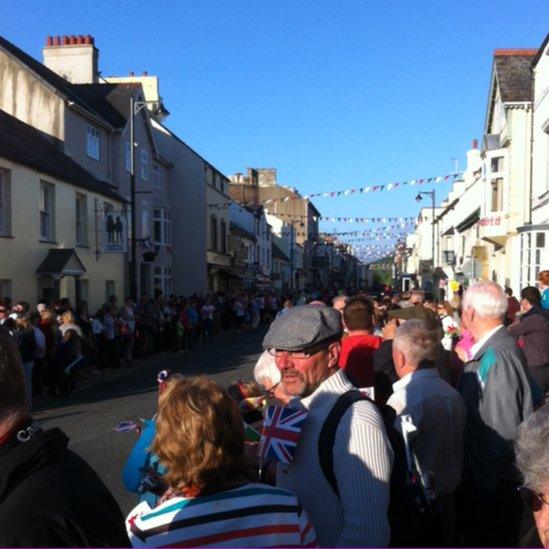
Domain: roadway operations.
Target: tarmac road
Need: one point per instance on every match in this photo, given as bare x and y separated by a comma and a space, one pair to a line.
89, 415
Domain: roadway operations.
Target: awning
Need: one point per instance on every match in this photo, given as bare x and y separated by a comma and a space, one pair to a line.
61, 262
469, 221
225, 271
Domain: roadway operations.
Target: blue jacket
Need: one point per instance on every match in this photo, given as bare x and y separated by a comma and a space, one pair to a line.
142, 461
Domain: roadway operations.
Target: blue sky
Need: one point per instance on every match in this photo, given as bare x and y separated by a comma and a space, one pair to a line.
333, 94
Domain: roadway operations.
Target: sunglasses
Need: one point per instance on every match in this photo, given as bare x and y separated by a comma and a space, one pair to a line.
532, 498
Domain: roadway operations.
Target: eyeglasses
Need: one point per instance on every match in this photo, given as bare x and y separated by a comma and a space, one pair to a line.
298, 355
3, 311
534, 499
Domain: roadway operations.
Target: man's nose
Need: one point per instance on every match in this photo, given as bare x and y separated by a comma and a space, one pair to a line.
284, 361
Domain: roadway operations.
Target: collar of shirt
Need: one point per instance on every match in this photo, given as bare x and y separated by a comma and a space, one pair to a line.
478, 345
337, 383
425, 373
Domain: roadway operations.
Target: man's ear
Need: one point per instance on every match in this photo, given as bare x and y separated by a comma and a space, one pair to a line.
334, 350
398, 359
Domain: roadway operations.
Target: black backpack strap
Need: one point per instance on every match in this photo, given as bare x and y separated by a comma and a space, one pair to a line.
326, 440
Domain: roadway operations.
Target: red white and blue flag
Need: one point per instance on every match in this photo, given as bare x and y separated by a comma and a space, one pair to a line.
280, 433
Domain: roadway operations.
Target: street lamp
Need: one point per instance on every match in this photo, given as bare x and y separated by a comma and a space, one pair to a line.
292, 238
419, 198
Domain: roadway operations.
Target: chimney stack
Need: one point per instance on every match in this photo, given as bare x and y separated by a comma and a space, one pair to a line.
73, 57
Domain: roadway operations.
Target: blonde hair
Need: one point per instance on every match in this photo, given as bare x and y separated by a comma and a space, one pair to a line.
67, 317
200, 436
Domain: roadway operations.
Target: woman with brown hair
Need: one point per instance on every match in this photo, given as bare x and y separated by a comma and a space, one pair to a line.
212, 499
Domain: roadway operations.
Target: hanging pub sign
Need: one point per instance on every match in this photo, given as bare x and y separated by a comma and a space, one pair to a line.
112, 232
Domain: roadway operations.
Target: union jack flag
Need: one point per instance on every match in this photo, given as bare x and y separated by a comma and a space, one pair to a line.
280, 434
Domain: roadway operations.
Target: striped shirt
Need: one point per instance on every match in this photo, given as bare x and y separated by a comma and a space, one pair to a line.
362, 466
253, 515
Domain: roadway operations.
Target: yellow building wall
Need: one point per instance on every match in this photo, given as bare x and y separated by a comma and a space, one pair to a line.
23, 251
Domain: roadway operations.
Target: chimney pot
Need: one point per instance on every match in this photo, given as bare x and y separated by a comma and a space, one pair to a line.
80, 39
65, 40
131, 73
49, 41
145, 73
475, 144
72, 40
56, 40
88, 39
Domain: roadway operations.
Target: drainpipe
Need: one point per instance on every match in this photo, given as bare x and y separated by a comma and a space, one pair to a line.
531, 178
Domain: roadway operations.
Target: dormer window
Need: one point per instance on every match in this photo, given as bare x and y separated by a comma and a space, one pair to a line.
93, 142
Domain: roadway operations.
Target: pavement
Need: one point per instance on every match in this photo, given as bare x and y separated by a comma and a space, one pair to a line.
101, 402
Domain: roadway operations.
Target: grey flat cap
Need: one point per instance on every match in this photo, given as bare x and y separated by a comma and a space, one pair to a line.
302, 327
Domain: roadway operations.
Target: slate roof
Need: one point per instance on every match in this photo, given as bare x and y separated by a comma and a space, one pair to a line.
26, 145
56, 260
110, 101
514, 74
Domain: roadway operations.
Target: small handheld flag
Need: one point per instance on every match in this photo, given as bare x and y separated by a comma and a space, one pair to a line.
126, 426
280, 433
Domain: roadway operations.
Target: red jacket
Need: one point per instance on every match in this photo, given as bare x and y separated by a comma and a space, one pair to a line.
356, 358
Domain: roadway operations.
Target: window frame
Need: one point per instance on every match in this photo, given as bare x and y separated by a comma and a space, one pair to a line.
162, 227
108, 292
156, 175
93, 142
144, 165
163, 279
5, 202
223, 236
82, 213
47, 211
213, 233
496, 194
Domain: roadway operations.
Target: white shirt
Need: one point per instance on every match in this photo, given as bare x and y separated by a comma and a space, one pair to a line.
438, 413
478, 345
362, 465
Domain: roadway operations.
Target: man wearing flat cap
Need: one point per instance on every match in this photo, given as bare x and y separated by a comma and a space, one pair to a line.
306, 347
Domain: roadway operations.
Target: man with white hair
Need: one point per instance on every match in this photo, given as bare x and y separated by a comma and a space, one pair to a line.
437, 411
498, 397
338, 302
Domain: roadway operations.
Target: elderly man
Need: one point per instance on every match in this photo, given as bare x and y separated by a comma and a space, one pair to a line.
498, 397
305, 344
437, 412
532, 449
49, 496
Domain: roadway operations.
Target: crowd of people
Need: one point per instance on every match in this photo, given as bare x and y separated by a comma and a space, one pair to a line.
60, 343
427, 425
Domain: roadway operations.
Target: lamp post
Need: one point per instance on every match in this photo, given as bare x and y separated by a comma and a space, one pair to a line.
135, 107
419, 198
292, 239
